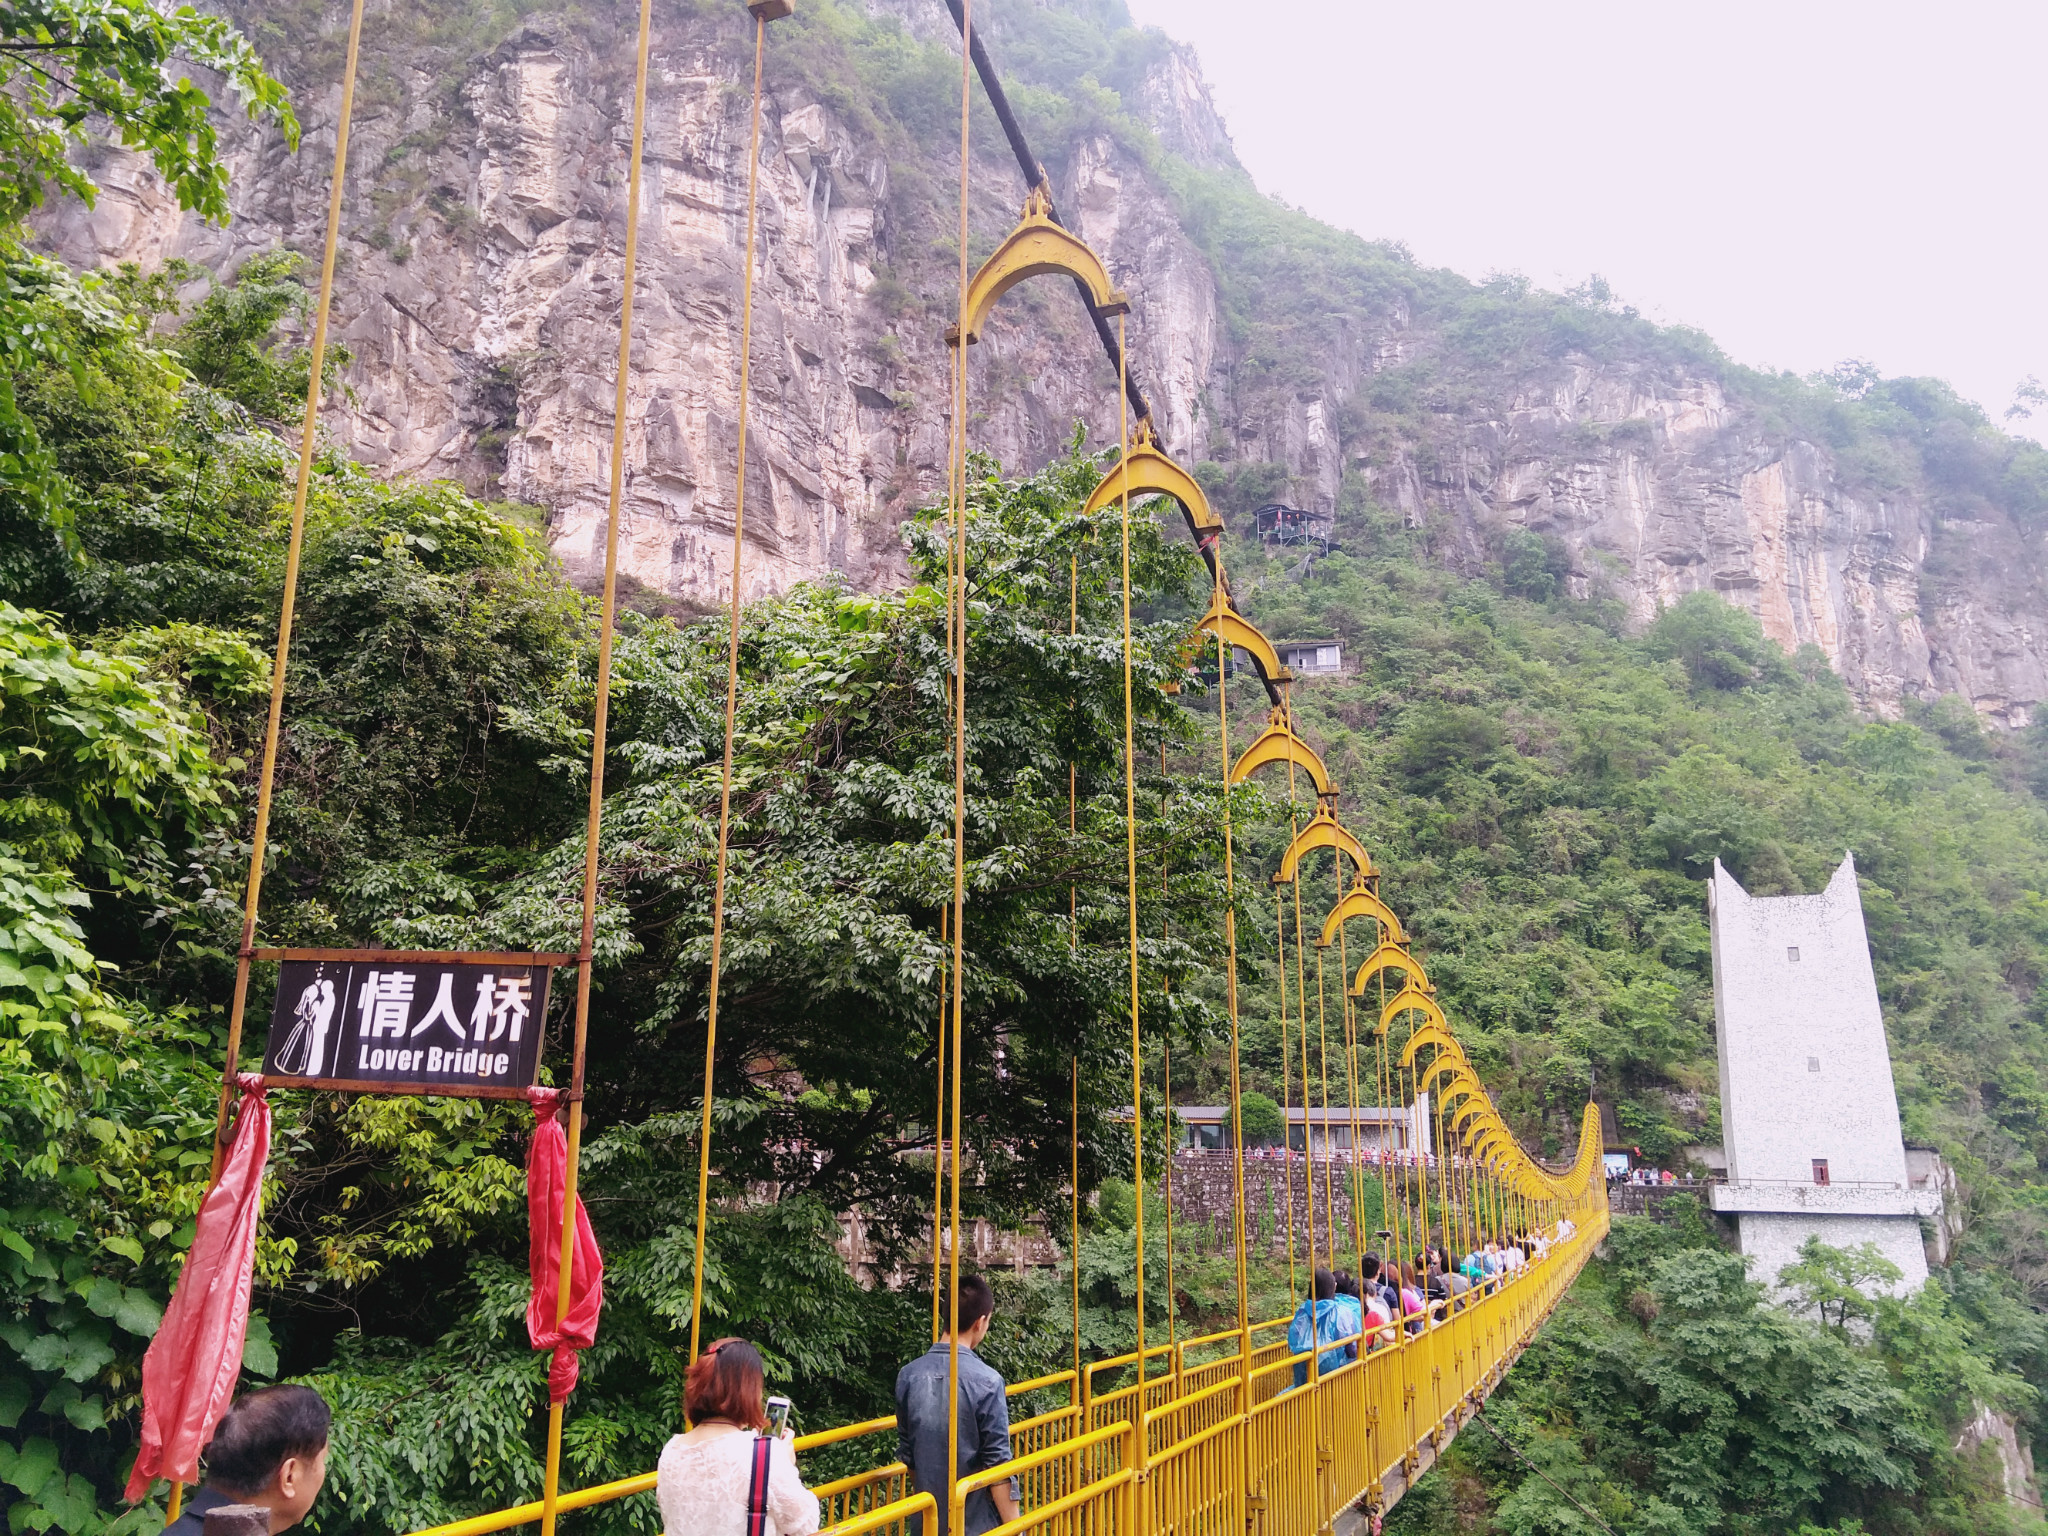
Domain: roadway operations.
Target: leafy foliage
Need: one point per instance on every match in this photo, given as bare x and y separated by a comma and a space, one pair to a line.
129, 705
1837, 1285
1670, 1395
65, 63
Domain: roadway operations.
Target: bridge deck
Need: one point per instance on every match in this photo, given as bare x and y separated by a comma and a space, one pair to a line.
1228, 1448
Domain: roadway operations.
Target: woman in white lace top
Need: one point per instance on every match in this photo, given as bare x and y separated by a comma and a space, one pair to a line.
706, 1476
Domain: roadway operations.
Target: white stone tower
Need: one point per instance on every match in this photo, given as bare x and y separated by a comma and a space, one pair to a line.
1809, 1116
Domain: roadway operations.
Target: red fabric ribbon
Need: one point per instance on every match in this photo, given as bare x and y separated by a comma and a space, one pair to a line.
547, 1172
189, 1372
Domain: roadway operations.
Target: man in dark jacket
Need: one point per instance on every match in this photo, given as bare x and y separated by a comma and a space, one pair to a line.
270, 1450
921, 1420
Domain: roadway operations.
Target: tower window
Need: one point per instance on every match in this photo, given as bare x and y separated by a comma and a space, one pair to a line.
1791, 951
1820, 1170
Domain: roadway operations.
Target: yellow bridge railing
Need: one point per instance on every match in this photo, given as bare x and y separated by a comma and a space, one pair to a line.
1225, 1444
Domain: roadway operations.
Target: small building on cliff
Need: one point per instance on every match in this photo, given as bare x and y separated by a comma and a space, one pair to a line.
1809, 1114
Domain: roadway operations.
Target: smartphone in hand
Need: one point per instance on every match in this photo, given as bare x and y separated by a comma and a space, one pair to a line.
779, 1409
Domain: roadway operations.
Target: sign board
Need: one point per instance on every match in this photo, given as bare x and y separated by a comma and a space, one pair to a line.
395, 1022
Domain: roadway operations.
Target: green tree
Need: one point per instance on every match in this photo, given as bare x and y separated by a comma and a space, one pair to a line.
104, 1124
840, 867
1839, 1286
231, 344
1263, 1123
1718, 644
65, 64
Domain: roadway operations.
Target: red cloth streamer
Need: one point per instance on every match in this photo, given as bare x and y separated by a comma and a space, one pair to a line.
547, 1171
189, 1373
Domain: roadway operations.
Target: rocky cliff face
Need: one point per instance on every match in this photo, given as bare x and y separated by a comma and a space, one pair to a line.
484, 226
1683, 491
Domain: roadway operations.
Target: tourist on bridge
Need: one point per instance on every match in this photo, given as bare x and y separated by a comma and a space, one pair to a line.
1380, 1279
1446, 1285
1352, 1299
271, 1451
1411, 1299
1378, 1308
921, 1420
1332, 1325
725, 1477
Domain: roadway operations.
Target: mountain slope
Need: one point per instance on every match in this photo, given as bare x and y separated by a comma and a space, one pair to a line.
1883, 521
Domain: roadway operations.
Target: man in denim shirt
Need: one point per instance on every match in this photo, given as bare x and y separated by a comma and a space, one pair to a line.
921, 1419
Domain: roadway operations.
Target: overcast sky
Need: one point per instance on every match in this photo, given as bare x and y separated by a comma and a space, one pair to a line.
1806, 180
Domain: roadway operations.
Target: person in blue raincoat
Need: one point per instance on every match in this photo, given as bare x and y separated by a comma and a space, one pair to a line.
1333, 1323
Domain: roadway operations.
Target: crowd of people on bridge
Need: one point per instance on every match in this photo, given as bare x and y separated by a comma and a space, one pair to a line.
1372, 1309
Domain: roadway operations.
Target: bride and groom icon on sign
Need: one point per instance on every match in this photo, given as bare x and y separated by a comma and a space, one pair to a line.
304, 1051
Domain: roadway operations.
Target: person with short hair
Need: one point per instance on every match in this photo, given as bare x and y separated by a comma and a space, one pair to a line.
1381, 1277
1319, 1320
712, 1477
1351, 1299
1456, 1284
984, 1408
270, 1450
1411, 1300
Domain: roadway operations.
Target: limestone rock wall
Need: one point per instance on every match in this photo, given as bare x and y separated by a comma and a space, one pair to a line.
480, 291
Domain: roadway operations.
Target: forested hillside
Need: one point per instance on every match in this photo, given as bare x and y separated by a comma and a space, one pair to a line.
1882, 520
1543, 786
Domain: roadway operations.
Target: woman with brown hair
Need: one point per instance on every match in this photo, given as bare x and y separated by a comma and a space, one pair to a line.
722, 1477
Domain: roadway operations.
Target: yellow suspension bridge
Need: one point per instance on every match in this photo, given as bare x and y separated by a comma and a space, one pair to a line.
1200, 1435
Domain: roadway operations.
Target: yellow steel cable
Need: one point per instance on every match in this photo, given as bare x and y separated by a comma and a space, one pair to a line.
1423, 1154
1308, 1137
266, 776
1443, 1197
732, 646
295, 543
1351, 1072
1166, 1057
1230, 989
1286, 1089
939, 1132
1308, 1161
1404, 1223
1441, 1126
1464, 1202
1074, 1249
1379, 1036
1123, 410
957, 617
1357, 1183
552, 1471
1172, 1132
1381, 1103
1074, 944
1323, 1068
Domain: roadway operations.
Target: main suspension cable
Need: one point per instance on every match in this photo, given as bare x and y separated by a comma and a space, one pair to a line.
1131, 893
1230, 994
957, 621
586, 950
294, 544
273, 725
1035, 177
732, 647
